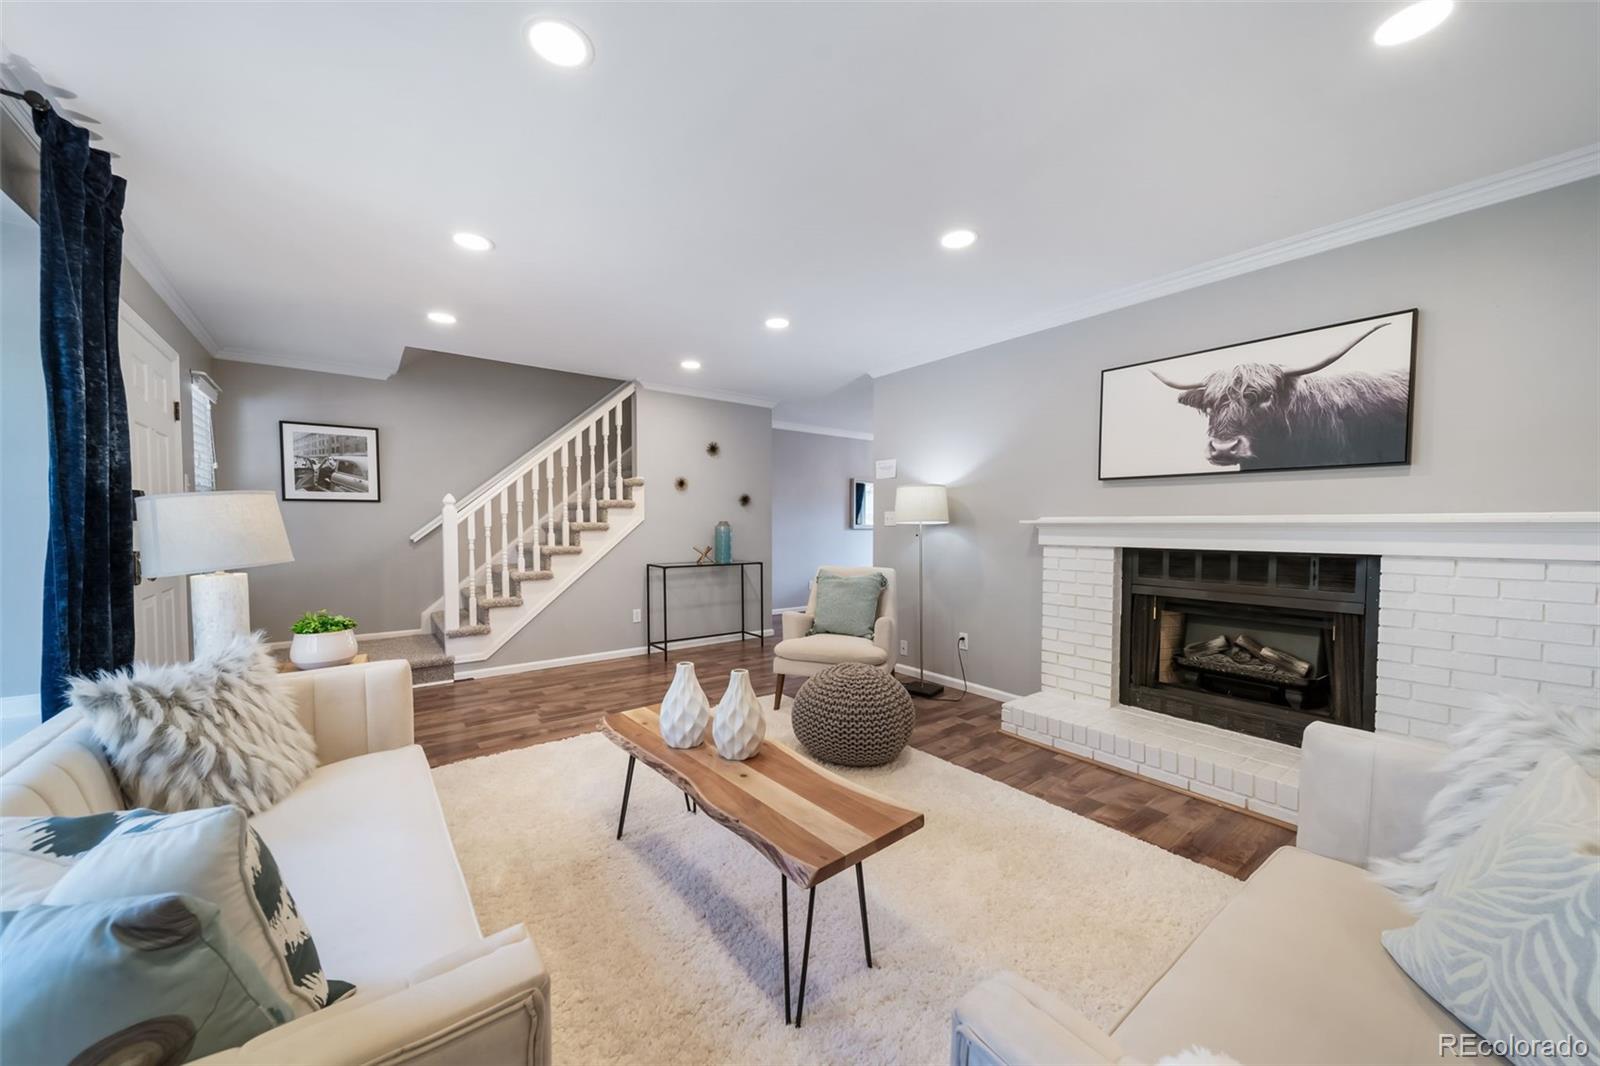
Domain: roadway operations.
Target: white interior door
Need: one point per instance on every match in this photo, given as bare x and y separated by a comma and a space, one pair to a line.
150, 373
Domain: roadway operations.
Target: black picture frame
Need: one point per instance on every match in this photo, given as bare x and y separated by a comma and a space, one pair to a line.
1413, 316
339, 480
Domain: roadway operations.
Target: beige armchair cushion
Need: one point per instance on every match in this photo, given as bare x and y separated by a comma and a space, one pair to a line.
832, 648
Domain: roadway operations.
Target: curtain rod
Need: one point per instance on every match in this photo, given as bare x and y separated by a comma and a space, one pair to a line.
32, 99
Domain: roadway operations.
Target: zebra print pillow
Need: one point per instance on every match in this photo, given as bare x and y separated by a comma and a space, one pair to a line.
1508, 941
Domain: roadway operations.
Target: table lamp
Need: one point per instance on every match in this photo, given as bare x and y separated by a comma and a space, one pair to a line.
921, 505
202, 534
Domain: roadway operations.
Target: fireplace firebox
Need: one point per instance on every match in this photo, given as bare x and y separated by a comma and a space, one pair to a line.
1259, 643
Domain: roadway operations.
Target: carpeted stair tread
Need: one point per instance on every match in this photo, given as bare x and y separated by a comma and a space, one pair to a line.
487, 602
585, 527
560, 549
531, 575
633, 482
606, 505
429, 661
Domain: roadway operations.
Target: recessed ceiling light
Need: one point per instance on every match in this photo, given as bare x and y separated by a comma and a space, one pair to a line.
472, 242
958, 239
690, 364
777, 322
441, 318
1412, 22
559, 43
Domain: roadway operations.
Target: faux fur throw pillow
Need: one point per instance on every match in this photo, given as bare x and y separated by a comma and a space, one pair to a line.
1492, 754
201, 734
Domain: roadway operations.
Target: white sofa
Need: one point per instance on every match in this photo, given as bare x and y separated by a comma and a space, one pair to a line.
363, 846
1291, 970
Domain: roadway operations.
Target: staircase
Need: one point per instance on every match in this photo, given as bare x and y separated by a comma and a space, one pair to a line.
512, 546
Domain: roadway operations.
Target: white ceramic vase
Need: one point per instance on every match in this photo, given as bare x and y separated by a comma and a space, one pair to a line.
309, 651
738, 726
685, 711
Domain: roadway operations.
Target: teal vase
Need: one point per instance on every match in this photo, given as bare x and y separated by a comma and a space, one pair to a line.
724, 543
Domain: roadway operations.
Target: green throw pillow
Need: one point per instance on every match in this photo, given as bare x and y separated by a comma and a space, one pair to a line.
848, 605
212, 854
143, 979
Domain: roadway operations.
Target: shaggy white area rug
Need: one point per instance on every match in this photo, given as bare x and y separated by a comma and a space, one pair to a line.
666, 946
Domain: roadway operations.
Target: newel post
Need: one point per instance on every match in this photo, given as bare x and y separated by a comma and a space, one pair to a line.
448, 531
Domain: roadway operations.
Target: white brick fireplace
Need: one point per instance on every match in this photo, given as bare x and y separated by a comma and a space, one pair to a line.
1472, 608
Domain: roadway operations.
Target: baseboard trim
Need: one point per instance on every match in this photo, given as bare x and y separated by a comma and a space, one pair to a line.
590, 657
976, 689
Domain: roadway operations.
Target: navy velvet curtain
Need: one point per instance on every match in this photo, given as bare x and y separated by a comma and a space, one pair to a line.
88, 574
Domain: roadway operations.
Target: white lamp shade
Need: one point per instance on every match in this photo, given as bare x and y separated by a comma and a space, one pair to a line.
921, 505
198, 532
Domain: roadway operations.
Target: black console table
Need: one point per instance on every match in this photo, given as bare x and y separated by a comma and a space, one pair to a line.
760, 632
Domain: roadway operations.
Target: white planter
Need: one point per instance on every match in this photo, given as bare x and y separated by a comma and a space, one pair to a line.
738, 726
311, 650
685, 711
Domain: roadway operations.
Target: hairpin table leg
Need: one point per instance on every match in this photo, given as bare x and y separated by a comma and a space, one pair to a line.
627, 786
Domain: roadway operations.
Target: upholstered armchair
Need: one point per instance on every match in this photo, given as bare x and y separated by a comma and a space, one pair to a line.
800, 654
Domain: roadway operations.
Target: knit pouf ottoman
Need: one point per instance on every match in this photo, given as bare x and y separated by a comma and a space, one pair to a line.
853, 714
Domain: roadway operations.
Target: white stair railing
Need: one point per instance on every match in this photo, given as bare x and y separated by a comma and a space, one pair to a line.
526, 520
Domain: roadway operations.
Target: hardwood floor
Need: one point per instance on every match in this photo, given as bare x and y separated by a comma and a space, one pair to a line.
472, 718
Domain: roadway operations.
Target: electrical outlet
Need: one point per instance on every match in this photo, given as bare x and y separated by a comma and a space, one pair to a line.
961, 641
638, 616
905, 647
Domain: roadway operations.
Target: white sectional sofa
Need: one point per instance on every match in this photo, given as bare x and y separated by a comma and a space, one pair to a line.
1291, 970
363, 846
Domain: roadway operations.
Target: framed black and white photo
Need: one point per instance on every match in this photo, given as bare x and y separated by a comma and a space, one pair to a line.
1331, 396
336, 464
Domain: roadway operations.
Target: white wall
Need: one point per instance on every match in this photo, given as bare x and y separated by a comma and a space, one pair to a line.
1506, 394
811, 475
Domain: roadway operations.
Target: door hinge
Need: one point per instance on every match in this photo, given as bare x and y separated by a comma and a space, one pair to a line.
177, 412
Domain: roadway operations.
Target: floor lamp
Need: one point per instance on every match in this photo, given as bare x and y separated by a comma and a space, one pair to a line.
921, 505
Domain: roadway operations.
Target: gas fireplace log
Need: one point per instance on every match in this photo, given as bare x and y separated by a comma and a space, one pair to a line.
1281, 659
1206, 647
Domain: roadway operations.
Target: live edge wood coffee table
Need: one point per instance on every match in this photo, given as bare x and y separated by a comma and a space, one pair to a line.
809, 823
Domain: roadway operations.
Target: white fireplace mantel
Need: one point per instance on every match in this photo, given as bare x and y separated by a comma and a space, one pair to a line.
1567, 535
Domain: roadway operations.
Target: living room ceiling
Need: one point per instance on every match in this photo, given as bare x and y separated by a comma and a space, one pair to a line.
296, 171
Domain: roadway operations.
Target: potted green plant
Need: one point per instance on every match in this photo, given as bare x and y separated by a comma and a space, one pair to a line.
322, 639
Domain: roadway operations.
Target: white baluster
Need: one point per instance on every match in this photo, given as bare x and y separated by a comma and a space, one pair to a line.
534, 485
622, 421
577, 470
448, 531
605, 431
520, 526
472, 572
566, 517
505, 542
588, 435
550, 499
488, 550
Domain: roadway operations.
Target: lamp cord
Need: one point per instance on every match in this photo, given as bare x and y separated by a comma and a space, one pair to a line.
961, 661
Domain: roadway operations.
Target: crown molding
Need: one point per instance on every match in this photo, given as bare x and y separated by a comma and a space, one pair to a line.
710, 394
315, 364
822, 431
1557, 170
136, 250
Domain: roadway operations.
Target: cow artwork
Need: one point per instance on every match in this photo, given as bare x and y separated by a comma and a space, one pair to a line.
1334, 396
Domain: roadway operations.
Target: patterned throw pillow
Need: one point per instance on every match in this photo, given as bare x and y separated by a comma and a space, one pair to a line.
1508, 941
144, 979
221, 729
848, 604
210, 854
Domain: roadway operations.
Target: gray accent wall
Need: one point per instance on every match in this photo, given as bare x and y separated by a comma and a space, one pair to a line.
1507, 391
596, 614
445, 423
811, 475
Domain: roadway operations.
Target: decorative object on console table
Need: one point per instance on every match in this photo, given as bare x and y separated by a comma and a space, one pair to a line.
329, 463
685, 711
921, 506
201, 534
704, 555
1329, 397
722, 537
738, 726
322, 639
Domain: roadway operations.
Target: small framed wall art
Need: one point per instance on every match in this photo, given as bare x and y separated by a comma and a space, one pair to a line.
328, 463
